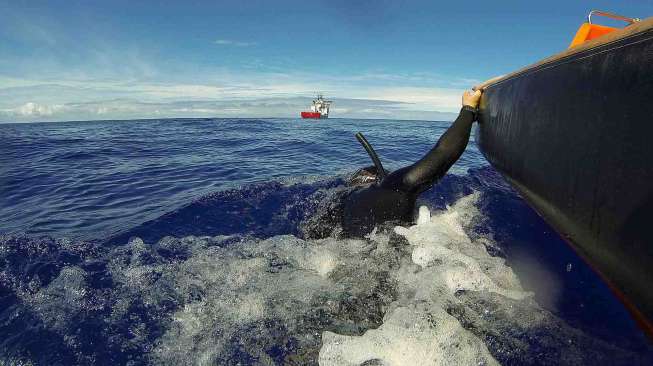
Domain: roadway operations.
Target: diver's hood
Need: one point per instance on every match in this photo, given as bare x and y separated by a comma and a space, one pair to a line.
364, 177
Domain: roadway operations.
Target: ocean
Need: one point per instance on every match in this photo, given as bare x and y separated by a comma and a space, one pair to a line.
180, 242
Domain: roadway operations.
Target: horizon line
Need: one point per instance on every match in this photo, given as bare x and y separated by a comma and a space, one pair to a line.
210, 118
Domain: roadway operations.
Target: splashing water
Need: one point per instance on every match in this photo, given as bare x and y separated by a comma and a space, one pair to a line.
187, 247
429, 294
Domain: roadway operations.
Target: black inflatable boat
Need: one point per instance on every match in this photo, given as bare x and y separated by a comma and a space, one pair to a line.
574, 135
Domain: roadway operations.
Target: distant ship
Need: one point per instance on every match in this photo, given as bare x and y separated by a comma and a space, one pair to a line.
319, 109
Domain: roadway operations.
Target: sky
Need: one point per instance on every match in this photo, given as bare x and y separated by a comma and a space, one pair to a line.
99, 60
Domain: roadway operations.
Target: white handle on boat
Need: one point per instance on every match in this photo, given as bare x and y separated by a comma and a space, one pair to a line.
611, 15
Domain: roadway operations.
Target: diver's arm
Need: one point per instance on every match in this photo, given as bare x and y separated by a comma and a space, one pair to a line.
420, 176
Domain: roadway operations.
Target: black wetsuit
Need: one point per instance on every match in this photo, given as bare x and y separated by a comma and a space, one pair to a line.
393, 199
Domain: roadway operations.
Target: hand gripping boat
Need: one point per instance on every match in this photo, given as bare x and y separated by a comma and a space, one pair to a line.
573, 134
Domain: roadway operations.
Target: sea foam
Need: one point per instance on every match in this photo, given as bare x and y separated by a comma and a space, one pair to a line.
427, 294
419, 330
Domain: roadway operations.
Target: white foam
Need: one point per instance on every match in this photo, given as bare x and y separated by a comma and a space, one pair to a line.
241, 287
424, 215
64, 297
287, 279
423, 297
419, 331
408, 336
463, 264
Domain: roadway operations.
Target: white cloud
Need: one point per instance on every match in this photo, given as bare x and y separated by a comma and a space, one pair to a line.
228, 42
434, 99
104, 78
225, 93
31, 109
257, 108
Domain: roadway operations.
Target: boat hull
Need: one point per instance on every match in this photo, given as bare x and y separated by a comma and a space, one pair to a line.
574, 135
312, 115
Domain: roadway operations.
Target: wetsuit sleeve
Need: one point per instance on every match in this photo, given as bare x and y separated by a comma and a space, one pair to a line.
420, 176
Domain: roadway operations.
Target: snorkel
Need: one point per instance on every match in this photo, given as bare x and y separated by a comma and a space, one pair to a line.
380, 172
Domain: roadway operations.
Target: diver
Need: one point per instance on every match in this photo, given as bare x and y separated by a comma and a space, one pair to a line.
375, 197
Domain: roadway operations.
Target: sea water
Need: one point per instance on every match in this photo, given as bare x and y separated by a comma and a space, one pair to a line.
179, 242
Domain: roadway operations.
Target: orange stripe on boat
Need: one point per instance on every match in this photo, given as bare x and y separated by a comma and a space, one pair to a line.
589, 31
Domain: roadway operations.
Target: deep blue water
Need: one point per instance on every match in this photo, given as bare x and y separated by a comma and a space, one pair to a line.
91, 211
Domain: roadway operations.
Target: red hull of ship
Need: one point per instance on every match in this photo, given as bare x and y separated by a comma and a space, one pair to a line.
311, 115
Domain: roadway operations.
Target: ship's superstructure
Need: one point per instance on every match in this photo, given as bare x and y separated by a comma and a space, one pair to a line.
319, 109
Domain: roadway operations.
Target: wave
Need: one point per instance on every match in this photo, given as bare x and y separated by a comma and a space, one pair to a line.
229, 280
